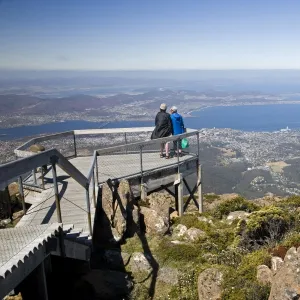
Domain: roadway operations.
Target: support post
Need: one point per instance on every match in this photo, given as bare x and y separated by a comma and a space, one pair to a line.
94, 189
88, 206
125, 137
42, 178
44, 280
56, 194
21, 192
199, 184
143, 188
34, 176
178, 160
97, 173
75, 148
180, 195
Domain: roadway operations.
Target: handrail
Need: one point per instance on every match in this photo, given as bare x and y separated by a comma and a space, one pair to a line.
147, 143
112, 130
11, 170
91, 169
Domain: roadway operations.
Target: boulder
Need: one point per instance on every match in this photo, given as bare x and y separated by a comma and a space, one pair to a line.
237, 215
276, 263
140, 262
109, 284
179, 231
154, 223
174, 215
36, 148
285, 284
160, 202
193, 234
168, 275
5, 204
115, 205
264, 275
209, 284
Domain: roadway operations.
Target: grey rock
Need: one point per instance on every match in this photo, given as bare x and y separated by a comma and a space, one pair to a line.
264, 275
240, 215
209, 284
277, 263
140, 262
179, 231
154, 223
193, 234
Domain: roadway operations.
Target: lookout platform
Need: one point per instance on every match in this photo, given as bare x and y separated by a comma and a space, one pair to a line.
64, 189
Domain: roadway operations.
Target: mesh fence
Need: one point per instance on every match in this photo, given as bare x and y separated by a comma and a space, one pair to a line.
140, 159
86, 144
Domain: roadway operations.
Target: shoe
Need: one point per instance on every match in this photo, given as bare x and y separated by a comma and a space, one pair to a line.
162, 156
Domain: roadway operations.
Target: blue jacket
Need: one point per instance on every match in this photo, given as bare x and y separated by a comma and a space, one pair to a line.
177, 123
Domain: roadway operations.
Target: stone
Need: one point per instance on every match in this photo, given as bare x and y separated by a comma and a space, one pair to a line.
285, 283
154, 223
276, 263
13, 297
4, 223
115, 205
264, 275
210, 284
174, 215
140, 262
116, 260
237, 215
168, 275
17, 215
161, 202
179, 231
193, 234
36, 148
5, 204
109, 284
133, 220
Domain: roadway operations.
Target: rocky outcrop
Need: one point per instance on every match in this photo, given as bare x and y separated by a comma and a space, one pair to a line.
109, 284
237, 215
36, 148
154, 222
194, 234
5, 205
161, 202
209, 284
285, 284
116, 202
264, 275
191, 235
277, 263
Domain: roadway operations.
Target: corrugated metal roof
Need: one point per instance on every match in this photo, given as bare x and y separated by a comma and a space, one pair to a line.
18, 243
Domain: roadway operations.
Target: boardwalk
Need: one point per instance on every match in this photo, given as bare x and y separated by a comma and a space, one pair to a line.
73, 197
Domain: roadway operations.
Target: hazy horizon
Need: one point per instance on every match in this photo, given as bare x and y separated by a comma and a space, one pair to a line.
156, 35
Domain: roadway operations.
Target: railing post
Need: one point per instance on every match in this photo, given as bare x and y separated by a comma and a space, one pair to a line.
34, 176
75, 148
178, 160
179, 194
125, 137
56, 194
88, 206
97, 174
42, 178
143, 188
21, 192
199, 176
94, 189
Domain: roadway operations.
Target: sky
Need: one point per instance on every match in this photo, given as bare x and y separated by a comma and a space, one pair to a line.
149, 35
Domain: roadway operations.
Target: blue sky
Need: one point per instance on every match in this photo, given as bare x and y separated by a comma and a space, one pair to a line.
149, 34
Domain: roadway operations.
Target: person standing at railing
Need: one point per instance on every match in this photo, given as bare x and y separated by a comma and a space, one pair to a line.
163, 128
178, 128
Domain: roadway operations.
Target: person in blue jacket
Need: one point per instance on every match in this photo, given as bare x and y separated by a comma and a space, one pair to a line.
177, 126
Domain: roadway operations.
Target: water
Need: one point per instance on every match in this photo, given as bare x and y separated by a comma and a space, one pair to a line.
248, 118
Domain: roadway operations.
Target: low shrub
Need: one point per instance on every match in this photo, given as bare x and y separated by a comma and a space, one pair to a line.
228, 206
265, 226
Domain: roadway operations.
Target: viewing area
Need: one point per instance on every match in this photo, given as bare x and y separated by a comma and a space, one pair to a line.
62, 184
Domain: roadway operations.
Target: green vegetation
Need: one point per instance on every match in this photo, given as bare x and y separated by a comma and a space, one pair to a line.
235, 249
210, 198
266, 226
240, 283
231, 205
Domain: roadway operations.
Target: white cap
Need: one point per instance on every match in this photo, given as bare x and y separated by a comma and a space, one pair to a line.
174, 108
163, 106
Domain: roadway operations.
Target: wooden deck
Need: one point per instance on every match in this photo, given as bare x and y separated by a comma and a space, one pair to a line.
73, 195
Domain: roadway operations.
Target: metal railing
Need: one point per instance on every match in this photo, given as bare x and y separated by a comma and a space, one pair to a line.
133, 158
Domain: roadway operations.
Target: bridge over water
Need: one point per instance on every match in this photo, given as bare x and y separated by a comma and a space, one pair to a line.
62, 185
